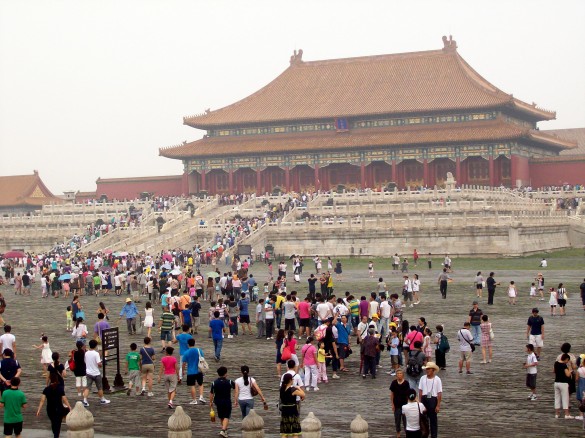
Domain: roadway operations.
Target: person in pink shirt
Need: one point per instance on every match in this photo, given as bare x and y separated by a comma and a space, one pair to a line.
309, 352
413, 336
304, 310
170, 369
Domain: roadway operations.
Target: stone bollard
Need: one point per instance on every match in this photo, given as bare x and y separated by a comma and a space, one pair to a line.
179, 424
311, 426
79, 422
359, 427
253, 425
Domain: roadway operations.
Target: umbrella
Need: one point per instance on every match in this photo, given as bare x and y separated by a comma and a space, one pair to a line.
214, 247
167, 266
14, 255
106, 268
65, 277
120, 253
167, 256
176, 272
107, 251
212, 274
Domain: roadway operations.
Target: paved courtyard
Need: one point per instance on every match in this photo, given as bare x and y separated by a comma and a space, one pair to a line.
491, 402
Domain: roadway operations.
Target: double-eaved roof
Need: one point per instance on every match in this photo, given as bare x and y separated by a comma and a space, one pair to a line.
437, 81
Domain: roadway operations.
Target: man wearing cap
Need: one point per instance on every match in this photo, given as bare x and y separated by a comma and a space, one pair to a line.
130, 312
535, 331
474, 319
430, 389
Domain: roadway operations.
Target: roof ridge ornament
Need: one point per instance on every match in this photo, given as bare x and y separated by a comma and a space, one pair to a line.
297, 57
449, 45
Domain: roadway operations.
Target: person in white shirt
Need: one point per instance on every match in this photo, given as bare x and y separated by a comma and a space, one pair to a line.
93, 363
465, 341
530, 366
430, 390
385, 315
412, 412
373, 306
8, 340
323, 310
416, 289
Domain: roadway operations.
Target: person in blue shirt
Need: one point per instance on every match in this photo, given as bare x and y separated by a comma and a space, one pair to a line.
343, 331
191, 359
130, 312
183, 340
217, 326
244, 305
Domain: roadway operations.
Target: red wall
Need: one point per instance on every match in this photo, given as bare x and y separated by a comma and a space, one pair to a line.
557, 173
520, 169
127, 188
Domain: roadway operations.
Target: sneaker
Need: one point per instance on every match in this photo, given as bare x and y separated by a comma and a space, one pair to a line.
335, 376
150, 394
469, 372
223, 433
411, 305
393, 373
202, 400
79, 394
315, 389
556, 416
569, 417
230, 336
103, 401
170, 405
85, 404
533, 398
193, 402
483, 361
128, 391
529, 396
363, 376
143, 392
216, 358
580, 417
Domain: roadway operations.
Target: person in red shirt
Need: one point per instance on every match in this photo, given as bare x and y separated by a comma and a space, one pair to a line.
170, 369
304, 310
413, 336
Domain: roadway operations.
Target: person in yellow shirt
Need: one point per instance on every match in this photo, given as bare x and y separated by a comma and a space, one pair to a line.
278, 308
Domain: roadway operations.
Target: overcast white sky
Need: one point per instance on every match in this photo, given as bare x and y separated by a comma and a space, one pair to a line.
93, 89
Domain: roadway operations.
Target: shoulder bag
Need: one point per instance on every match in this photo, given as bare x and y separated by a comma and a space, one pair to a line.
470, 344
202, 365
423, 422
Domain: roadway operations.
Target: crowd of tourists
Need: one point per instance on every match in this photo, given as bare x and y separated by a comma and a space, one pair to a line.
313, 333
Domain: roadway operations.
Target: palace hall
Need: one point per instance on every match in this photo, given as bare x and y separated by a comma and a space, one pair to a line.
366, 122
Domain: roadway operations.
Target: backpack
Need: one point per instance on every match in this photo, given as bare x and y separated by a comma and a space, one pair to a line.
443, 346
71, 361
413, 367
319, 332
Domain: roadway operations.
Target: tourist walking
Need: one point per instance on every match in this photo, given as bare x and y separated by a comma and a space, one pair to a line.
192, 360
535, 331
217, 326
147, 356
79, 370
531, 371
399, 390
442, 347
170, 369
221, 394
80, 331
474, 319
13, 401
466, 348
246, 388
130, 312
57, 404
430, 389
290, 425
562, 299
309, 361
443, 280
93, 365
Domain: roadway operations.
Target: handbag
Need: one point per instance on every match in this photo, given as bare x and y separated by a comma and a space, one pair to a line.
423, 422
285, 353
470, 344
492, 336
202, 365
253, 389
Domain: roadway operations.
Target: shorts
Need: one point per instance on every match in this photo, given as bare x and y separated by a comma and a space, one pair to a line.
289, 324
562, 303
479, 286
195, 378
165, 335
305, 322
244, 319
96, 379
170, 382
466, 356
196, 321
12, 428
536, 340
394, 359
224, 410
147, 369
117, 288
81, 381
342, 350
409, 296
134, 377
531, 381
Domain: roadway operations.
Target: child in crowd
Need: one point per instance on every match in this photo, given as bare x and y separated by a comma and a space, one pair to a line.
133, 359
512, 293
260, 319
532, 291
46, 353
530, 366
394, 353
69, 316
371, 268
321, 368
427, 345
553, 301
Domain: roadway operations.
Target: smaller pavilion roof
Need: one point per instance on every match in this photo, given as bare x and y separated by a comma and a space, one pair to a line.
25, 191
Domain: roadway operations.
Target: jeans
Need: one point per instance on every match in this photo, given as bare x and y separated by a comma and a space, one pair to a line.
413, 381
278, 314
261, 326
131, 324
217, 344
383, 327
398, 419
234, 325
431, 404
246, 405
269, 328
476, 332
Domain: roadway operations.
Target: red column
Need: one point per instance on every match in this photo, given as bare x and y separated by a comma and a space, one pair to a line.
258, 182
203, 185
317, 182
287, 179
185, 183
458, 171
231, 181
491, 171
426, 172
363, 175
394, 173
513, 170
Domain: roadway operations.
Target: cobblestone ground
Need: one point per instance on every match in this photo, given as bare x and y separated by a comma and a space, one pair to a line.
491, 402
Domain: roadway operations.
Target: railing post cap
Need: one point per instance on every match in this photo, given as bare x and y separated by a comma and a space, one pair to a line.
179, 421
311, 423
358, 425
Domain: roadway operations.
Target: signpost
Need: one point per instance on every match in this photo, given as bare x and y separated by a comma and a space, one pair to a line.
111, 342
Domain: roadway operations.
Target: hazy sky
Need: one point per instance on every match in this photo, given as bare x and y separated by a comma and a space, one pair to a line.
93, 89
